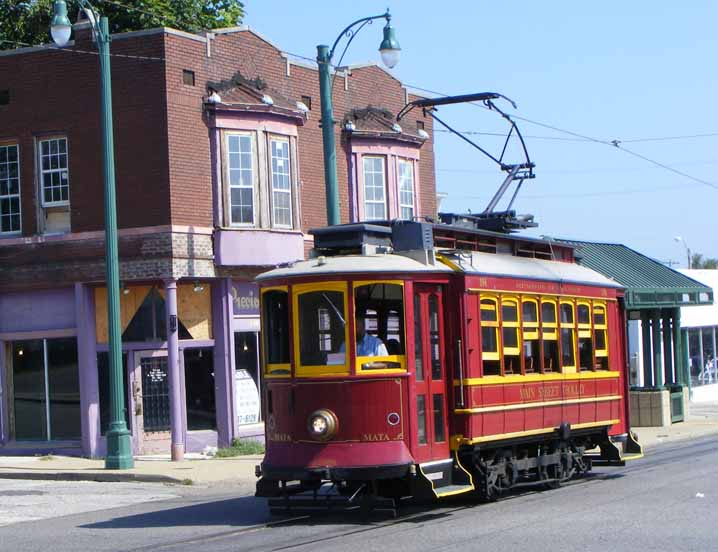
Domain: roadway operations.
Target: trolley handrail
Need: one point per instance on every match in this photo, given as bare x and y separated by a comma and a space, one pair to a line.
460, 402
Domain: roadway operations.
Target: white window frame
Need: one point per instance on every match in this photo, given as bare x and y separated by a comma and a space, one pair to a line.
402, 180
58, 170
229, 169
10, 196
272, 139
367, 202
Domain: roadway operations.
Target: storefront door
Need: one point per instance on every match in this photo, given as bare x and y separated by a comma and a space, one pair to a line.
151, 402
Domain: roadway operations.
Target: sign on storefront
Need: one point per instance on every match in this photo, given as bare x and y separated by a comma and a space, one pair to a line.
246, 398
245, 298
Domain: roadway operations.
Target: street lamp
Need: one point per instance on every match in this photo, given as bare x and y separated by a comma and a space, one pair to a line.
119, 450
688, 249
390, 50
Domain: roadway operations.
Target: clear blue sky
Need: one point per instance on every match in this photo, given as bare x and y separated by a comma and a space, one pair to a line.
611, 70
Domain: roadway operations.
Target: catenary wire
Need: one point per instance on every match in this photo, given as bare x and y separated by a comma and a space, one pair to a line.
612, 143
73, 50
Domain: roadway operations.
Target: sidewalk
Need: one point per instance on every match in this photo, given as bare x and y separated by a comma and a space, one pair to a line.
157, 469
701, 421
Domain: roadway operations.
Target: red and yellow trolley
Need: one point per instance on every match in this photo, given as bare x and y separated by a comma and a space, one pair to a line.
412, 359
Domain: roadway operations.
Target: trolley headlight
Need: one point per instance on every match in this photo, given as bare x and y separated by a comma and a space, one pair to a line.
322, 424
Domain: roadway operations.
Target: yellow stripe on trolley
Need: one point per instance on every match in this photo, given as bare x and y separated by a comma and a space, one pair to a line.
519, 406
537, 378
459, 440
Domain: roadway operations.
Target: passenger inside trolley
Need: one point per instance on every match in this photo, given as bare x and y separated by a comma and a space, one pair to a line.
367, 344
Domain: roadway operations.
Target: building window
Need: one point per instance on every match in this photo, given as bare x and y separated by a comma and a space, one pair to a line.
385, 183
54, 178
406, 189
45, 392
240, 151
188, 77
9, 189
374, 188
281, 183
259, 180
307, 100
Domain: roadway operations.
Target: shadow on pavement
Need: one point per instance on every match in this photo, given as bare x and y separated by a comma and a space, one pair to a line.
241, 512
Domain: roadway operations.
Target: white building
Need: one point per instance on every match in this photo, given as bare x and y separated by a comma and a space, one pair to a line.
700, 327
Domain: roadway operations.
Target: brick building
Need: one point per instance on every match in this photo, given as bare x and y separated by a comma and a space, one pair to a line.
219, 175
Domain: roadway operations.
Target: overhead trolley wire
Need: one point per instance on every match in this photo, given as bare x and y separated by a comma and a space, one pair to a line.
612, 143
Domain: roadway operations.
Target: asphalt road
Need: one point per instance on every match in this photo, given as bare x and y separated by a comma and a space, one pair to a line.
667, 501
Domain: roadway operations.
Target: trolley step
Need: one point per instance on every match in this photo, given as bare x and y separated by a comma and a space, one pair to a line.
446, 477
450, 490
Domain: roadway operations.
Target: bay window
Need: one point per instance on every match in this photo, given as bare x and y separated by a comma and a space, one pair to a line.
259, 180
281, 183
406, 189
241, 173
385, 181
374, 188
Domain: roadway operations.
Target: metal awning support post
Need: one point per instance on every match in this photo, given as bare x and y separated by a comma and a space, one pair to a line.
668, 375
657, 357
646, 342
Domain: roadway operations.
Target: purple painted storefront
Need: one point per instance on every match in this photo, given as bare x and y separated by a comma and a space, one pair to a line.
195, 390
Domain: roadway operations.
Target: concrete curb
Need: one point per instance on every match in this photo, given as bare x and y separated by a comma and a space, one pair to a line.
94, 476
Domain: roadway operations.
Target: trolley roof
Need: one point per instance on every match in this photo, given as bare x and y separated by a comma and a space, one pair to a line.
348, 264
491, 264
470, 262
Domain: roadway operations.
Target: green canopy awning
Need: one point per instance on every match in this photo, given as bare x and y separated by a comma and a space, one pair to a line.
648, 283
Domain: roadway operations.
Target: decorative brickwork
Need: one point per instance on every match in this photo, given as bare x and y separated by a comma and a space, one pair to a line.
162, 147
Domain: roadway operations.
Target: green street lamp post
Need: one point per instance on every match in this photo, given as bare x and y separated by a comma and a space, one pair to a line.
389, 49
119, 450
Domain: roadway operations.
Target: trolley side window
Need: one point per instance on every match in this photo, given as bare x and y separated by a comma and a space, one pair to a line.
379, 334
531, 342
275, 331
585, 337
568, 337
510, 330
600, 330
490, 358
549, 336
320, 329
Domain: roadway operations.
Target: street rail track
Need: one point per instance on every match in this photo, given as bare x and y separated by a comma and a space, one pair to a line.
413, 513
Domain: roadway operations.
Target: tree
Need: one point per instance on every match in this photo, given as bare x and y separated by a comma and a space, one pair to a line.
27, 22
697, 261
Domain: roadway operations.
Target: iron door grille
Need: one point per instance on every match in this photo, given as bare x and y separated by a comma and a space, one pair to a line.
155, 394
